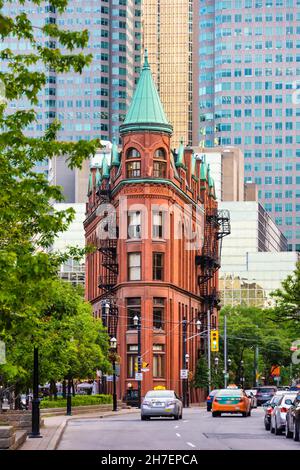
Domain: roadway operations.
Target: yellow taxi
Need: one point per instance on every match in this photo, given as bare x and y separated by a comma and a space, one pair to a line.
231, 400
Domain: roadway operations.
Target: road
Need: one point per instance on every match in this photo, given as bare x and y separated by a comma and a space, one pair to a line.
197, 430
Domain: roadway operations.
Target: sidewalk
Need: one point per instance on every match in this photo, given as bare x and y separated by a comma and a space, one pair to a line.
54, 427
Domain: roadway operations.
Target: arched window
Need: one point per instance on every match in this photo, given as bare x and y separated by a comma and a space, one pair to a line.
160, 153
133, 153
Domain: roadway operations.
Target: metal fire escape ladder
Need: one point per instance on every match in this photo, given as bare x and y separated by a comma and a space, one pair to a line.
109, 260
217, 226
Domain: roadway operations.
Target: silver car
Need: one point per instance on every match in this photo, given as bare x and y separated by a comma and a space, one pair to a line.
278, 414
161, 403
252, 395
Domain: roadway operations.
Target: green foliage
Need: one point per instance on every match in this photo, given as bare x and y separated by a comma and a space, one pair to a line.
287, 301
200, 379
248, 327
36, 308
78, 400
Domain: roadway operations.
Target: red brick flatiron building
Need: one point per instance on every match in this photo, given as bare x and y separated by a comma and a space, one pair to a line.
152, 214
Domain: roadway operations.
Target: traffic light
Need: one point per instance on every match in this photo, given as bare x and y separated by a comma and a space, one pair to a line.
214, 340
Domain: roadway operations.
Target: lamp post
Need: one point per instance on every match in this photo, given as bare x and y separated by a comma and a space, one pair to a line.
242, 373
69, 397
137, 323
35, 428
184, 384
113, 345
187, 357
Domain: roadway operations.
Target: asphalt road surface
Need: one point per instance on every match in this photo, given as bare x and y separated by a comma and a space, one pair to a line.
197, 430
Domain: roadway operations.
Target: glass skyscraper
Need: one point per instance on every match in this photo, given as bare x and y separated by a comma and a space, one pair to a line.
93, 104
249, 72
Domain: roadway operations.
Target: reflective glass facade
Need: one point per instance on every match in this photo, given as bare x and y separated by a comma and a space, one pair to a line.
249, 72
93, 104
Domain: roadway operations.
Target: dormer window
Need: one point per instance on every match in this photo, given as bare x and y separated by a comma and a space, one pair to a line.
160, 153
133, 153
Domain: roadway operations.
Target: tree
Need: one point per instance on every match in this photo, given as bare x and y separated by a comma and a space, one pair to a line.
28, 221
287, 300
70, 340
200, 379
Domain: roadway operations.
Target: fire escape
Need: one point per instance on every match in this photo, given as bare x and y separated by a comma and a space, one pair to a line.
107, 246
217, 226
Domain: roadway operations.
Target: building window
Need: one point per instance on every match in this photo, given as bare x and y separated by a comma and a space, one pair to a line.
134, 224
132, 360
134, 266
160, 153
157, 225
159, 169
158, 361
133, 153
158, 266
158, 312
133, 169
133, 306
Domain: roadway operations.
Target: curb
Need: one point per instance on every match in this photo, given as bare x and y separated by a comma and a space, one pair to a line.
55, 440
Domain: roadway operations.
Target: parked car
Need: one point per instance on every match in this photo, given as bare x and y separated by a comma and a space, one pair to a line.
265, 394
278, 413
161, 403
292, 427
268, 407
210, 399
252, 395
231, 401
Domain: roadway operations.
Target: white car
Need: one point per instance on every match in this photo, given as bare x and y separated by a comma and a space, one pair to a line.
161, 403
278, 414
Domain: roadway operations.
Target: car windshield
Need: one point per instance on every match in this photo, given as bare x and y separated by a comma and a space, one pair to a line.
289, 396
229, 393
266, 390
160, 394
213, 392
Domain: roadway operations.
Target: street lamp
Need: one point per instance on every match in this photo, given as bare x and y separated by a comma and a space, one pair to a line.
229, 361
137, 323
198, 325
113, 345
35, 428
216, 361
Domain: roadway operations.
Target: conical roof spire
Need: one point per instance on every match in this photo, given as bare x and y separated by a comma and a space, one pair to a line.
115, 160
145, 111
180, 154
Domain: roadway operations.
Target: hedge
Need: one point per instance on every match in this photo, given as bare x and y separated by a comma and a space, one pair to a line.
78, 400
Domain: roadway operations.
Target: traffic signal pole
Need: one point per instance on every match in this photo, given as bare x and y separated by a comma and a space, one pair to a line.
208, 351
184, 384
225, 352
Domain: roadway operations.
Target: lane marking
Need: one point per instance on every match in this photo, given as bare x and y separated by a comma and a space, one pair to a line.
178, 435
190, 444
176, 427
185, 421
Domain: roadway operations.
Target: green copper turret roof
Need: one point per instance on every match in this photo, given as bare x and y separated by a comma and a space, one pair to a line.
193, 165
105, 168
98, 178
115, 159
145, 112
180, 155
203, 172
210, 179
90, 186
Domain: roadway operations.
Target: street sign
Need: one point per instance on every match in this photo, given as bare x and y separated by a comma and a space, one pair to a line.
226, 375
214, 341
184, 373
139, 376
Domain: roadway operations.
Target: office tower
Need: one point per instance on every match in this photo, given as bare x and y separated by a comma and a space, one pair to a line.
93, 104
168, 36
248, 60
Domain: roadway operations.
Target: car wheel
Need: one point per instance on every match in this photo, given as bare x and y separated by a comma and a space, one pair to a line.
277, 430
249, 414
143, 418
176, 417
296, 434
215, 414
180, 416
288, 433
245, 414
208, 408
267, 426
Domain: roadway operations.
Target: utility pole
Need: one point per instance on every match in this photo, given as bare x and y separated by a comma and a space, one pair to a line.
35, 426
184, 388
208, 351
225, 352
255, 366
139, 362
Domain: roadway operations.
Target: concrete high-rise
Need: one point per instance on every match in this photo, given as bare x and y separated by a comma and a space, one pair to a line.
167, 28
93, 104
248, 62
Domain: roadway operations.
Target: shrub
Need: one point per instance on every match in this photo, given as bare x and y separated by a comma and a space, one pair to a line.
78, 400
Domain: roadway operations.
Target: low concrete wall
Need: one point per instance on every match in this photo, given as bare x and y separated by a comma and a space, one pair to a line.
7, 437
20, 420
